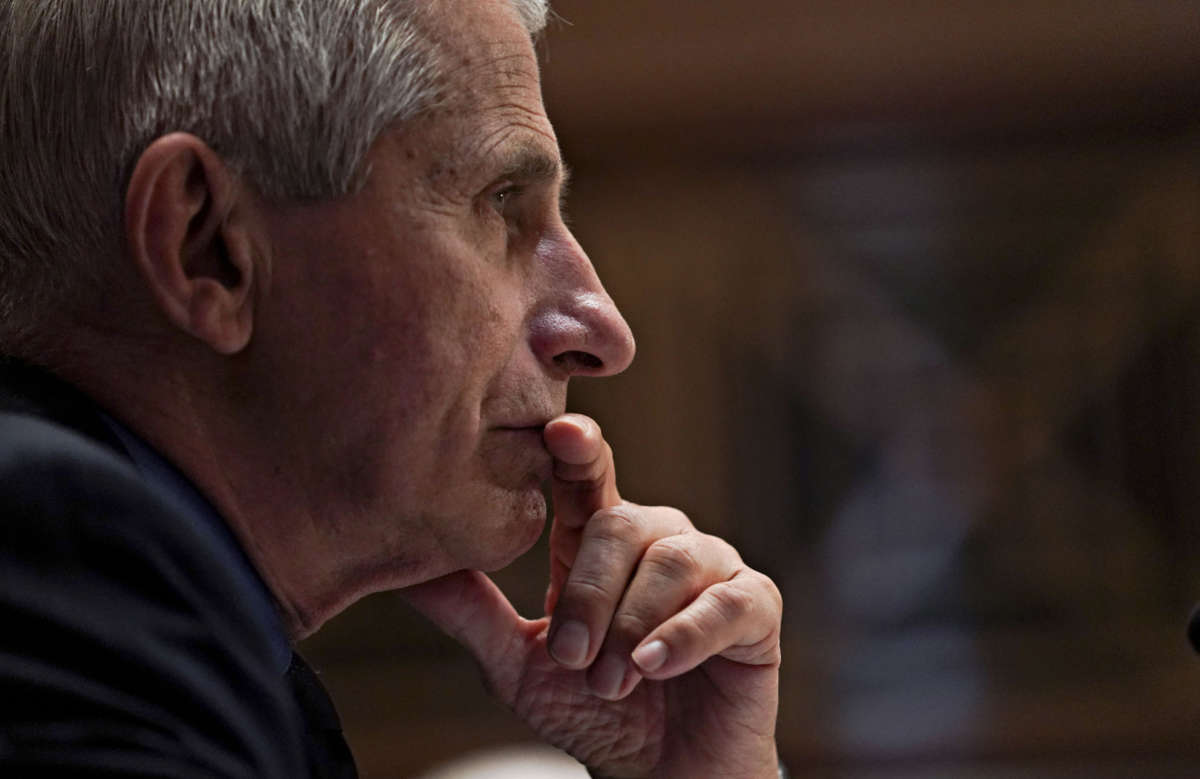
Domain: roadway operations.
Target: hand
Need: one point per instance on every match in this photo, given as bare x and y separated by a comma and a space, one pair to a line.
661, 657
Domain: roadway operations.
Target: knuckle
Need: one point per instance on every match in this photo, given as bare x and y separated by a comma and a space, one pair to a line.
771, 591
720, 549
671, 558
775, 595
676, 517
731, 603
616, 523
726, 549
769, 648
582, 589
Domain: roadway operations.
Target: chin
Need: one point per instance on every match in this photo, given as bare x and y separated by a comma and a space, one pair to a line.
526, 518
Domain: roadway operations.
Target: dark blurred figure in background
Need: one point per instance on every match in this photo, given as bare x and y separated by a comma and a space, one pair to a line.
289, 312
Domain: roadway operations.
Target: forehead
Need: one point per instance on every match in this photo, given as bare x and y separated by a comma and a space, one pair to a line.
491, 102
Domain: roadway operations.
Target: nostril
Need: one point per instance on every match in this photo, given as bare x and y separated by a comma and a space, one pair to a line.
578, 361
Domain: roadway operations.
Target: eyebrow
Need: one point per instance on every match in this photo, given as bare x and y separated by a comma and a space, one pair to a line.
530, 163
534, 164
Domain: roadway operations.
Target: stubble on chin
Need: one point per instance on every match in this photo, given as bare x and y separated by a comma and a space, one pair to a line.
522, 518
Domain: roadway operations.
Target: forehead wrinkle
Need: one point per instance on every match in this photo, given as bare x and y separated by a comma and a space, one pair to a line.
522, 94
495, 62
511, 105
513, 119
528, 157
511, 69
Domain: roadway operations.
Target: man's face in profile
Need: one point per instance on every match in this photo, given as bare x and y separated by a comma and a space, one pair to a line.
431, 321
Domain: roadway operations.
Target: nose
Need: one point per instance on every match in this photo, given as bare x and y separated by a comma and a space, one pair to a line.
577, 330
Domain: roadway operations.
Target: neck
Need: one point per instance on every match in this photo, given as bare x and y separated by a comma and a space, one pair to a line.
146, 390
232, 441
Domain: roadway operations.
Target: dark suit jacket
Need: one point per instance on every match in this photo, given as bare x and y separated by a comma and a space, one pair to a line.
126, 648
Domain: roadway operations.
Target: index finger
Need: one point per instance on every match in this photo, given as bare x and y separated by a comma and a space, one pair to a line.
584, 482
585, 478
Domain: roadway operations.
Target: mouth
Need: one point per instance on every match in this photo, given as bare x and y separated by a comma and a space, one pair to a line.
537, 427
523, 434
522, 449
530, 422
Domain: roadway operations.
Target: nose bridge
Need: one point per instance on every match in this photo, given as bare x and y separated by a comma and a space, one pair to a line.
578, 328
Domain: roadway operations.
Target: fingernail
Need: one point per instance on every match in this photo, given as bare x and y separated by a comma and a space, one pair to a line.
607, 675
651, 657
570, 645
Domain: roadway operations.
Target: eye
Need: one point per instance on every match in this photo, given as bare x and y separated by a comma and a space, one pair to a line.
505, 195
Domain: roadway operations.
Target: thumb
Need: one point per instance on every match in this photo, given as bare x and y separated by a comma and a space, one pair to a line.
471, 609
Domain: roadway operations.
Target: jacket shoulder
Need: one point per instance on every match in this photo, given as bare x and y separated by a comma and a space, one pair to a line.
127, 643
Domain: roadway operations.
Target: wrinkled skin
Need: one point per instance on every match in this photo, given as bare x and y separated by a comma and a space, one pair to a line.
371, 391
627, 577
708, 711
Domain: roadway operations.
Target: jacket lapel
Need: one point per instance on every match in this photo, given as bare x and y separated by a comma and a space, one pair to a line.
329, 755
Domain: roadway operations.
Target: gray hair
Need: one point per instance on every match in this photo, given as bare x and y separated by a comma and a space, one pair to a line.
292, 93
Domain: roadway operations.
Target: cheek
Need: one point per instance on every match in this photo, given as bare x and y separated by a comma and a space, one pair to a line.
428, 336
443, 358
474, 322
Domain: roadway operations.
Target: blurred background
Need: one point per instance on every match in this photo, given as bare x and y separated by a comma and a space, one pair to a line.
916, 287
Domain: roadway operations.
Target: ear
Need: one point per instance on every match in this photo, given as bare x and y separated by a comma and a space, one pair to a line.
190, 229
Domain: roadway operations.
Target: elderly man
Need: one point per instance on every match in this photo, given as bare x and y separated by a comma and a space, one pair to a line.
289, 312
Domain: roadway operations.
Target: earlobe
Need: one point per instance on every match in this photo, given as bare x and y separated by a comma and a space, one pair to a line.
189, 232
